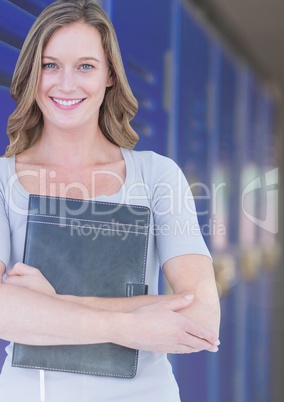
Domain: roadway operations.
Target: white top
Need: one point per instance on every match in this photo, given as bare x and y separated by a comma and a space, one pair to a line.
153, 181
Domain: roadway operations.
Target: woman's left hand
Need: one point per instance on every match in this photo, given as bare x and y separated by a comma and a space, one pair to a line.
29, 277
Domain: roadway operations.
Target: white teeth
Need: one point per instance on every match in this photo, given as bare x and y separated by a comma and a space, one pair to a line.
67, 103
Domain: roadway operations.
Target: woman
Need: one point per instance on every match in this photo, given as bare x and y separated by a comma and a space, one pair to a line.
70, 137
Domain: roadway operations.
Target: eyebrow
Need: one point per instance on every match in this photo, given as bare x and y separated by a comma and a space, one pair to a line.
81, 58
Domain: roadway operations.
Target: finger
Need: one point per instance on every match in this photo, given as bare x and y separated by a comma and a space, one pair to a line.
199, 344
15, 280
200, 332
20, 280
185, 349
17, 269
189, 340
20, 269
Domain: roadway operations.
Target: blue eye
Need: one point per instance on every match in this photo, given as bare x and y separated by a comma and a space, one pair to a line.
49, 65
86, 67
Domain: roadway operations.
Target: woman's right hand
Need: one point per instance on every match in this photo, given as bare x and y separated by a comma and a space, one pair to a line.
159, 328
30, 278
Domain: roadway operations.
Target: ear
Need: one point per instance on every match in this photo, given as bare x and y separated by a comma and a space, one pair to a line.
110, 80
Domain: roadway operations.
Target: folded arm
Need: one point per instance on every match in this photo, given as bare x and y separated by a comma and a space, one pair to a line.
194, 274
31, 317
143, 316
41, 318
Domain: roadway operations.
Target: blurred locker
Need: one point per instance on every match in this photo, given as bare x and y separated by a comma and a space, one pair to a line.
226, 213
249, 247
246, 242
197, 374
267, 227
6, 108
143, 32
193, 139
257, 236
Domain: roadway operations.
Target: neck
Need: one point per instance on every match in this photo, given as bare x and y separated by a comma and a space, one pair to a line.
73, 148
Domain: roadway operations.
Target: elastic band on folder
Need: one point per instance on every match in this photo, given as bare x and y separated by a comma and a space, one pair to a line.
42, 386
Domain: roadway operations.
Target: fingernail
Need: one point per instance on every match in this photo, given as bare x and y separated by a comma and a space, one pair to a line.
188, 297
217, 343
215, 349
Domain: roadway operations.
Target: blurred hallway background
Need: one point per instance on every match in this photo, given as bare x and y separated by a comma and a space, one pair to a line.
255, 29
209, 79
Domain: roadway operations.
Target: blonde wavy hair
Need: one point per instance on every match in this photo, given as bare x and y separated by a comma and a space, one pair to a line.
119, 105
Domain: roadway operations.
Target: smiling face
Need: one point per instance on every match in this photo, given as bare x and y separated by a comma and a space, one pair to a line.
74, 78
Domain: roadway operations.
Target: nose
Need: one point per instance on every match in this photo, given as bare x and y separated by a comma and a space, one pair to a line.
67, 81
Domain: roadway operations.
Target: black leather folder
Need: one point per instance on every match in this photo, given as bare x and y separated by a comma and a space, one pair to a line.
86, 248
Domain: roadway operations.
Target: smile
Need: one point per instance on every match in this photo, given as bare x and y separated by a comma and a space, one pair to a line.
67, 102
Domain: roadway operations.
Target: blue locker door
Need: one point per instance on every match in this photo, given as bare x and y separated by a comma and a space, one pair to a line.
193, 138
227, 160
218, 199
268, 221
259, 370
260, 159
6, 108
194, 371
242, 311
248, 231
144, 36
